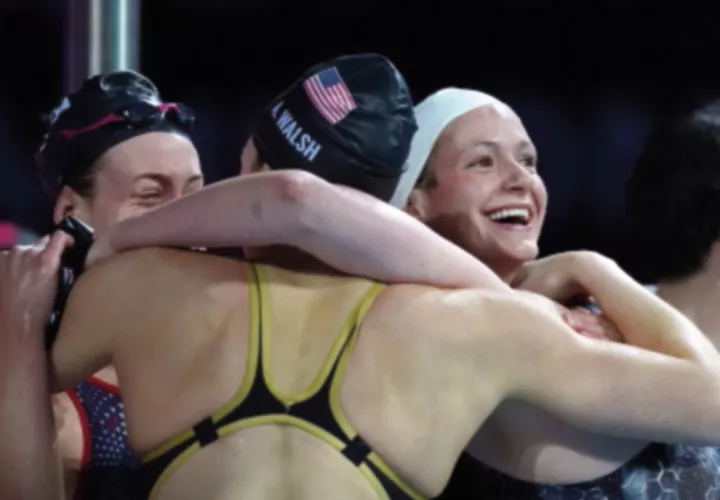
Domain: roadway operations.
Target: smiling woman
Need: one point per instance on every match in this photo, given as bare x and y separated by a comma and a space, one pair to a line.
511, 216
480, 188
479, 185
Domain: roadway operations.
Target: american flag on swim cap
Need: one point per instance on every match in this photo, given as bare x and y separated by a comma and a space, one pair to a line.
329, 94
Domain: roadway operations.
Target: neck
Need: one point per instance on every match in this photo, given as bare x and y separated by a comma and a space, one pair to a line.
289, 258
507, 273
506, 269
458, 232
697, 297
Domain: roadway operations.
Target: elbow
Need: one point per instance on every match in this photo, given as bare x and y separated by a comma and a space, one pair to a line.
296, 187
301, 195
704, 418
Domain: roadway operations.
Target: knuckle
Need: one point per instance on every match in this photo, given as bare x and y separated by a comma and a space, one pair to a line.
48, 263
16, 251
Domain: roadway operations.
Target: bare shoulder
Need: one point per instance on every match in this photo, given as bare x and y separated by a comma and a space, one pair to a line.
150, 264
115, 287
455, 315
141, 258
480, 325
118, 265
457, 337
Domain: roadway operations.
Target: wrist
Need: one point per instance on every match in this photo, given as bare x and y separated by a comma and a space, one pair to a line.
21, 328
125, 235
586, 265
112, 238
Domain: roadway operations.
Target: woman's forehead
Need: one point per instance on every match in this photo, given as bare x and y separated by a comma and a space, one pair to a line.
165, 154
491, 124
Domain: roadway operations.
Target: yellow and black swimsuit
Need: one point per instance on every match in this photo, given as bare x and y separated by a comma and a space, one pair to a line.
316, 411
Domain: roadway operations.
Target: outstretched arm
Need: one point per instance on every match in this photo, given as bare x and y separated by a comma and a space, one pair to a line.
348, 230
643, 319
607, 387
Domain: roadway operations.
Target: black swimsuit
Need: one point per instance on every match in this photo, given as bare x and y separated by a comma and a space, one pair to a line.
317, 411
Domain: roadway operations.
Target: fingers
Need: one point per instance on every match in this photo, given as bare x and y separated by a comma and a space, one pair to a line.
592, 324
41, 259
42, 242
572, 321
57, 243
585, 323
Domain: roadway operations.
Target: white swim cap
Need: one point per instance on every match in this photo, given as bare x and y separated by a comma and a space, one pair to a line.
433, 115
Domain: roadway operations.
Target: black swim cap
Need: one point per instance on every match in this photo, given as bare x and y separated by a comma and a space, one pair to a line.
349, 120
108, 109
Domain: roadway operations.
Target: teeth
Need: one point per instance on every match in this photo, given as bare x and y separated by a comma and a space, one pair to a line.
521, 213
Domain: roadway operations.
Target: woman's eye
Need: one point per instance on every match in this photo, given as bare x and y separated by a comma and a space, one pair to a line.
529, 161
485, 161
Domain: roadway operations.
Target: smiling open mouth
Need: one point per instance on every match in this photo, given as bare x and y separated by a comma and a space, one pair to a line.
511, 216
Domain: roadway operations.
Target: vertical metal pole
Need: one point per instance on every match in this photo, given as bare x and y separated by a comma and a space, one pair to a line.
101, 36
114, 35
76, 46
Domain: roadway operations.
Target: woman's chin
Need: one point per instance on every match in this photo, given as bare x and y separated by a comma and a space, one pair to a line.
521, 252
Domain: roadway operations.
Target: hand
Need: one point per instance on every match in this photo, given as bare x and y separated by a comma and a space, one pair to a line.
555, 277
583, 321
28, 280
591, 324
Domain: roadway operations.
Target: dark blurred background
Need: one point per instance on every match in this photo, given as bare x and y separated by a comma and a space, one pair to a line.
586, 78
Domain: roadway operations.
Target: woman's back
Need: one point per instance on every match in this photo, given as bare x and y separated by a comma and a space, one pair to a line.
276, 356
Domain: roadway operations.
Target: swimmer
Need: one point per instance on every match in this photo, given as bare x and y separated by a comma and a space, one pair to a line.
420, 368
114, 150
465, 149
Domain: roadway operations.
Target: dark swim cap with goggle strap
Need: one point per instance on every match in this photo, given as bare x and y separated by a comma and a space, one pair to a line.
107, 110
